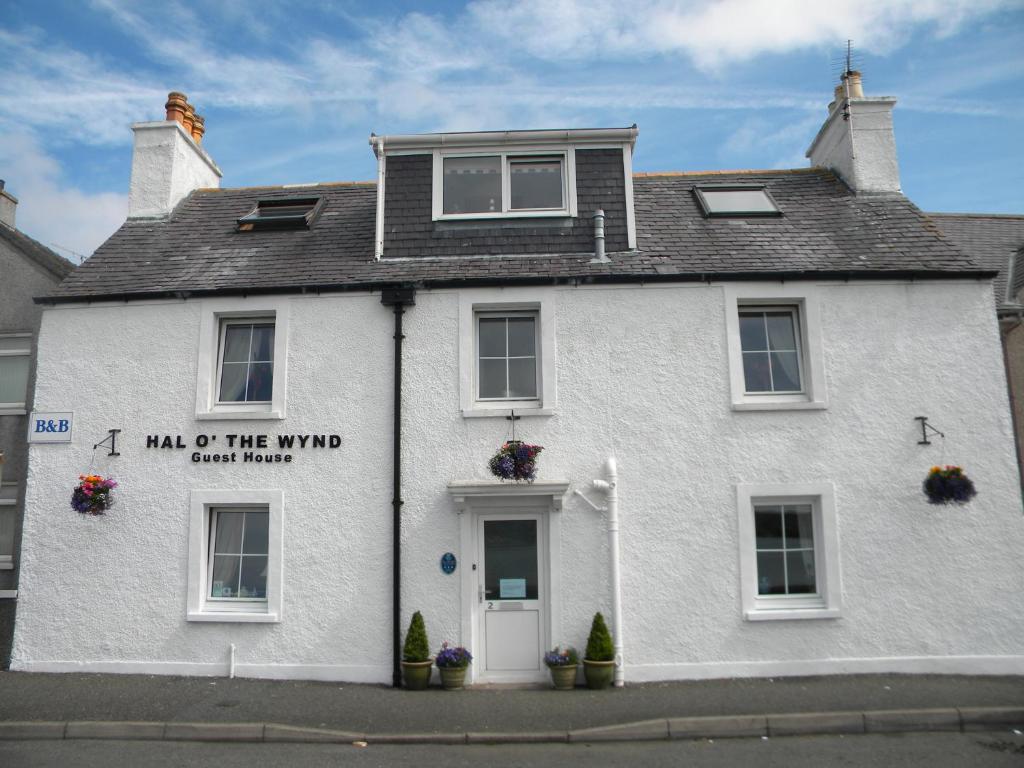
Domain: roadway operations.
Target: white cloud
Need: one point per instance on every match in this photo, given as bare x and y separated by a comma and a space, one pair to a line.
53, 212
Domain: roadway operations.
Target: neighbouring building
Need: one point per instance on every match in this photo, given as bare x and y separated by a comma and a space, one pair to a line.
27, 268
740, 358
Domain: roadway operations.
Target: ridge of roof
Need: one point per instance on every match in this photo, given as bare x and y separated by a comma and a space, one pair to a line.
284, 187
739, 172
981, 216
46, 258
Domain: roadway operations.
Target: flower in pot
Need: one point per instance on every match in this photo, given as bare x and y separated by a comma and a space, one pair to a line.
599, 661
92, 495
452, 663
562, 663
515, 460
948, 484
416, 661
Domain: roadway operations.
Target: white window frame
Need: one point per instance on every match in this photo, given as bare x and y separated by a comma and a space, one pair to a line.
8, 510
231, 603
505, 315
566, 155
506, 302
225, 323
216, 313
18, 408
826, 602
804, 300
202, 607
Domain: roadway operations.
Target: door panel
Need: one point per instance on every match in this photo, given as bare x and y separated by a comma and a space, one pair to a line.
513, 640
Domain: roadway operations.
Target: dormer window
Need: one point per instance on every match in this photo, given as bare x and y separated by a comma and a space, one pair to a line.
282, 213
504, 184
736, 201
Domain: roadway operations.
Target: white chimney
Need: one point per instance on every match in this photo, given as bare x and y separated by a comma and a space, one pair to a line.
167, 164
8, 206
857, 140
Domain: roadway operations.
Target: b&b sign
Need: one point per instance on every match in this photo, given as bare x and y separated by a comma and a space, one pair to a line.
50, 427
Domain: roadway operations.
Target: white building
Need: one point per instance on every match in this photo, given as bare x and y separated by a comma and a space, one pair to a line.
752, 349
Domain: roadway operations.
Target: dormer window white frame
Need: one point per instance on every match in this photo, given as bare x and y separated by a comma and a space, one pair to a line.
506, 160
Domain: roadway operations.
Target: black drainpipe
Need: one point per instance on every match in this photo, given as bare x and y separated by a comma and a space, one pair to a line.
397, 298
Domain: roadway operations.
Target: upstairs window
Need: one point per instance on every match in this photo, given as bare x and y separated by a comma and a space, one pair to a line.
770, 340
507, 356
282, 213
737, 201
15, 354
503, 185
246, 361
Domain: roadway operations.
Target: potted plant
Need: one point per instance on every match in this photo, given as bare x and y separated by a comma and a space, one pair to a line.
599, 661
452, 663
515, 460
92, 495
562, 664
948, 484
416, 661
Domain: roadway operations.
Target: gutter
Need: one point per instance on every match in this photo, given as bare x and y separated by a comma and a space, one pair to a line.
506, 280
397, 298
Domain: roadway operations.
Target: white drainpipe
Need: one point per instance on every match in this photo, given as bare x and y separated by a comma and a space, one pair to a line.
610, 489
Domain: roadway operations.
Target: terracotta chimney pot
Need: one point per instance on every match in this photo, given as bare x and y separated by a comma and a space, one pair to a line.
175, 106
856, 87
198, 128
190, 118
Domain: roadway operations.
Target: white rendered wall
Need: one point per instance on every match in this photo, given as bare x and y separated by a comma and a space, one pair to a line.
861, 150
166, 166
642, 375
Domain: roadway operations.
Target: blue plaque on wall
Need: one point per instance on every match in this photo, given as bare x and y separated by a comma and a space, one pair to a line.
448, 562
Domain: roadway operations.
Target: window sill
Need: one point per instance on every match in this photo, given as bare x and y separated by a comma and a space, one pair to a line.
234, 415
234, 616
9, 594
785, 614
7, 565
13, 412
494, 413
775, 405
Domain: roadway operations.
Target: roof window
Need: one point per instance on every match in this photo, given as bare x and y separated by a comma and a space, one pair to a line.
282, 213
736, 201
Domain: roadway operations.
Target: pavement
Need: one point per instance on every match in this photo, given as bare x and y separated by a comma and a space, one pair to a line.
153, 707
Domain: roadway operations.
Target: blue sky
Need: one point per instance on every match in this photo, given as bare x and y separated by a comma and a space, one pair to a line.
291, 91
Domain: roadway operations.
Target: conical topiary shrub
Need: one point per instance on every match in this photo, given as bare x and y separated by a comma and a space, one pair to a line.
416, 662
599, 661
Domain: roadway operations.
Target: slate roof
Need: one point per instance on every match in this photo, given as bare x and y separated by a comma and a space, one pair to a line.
826, 230
993, 241
36, 251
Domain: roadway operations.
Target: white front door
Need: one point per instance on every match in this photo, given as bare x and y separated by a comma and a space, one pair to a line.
512, 598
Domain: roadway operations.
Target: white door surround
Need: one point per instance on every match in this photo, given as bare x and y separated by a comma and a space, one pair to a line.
475, 501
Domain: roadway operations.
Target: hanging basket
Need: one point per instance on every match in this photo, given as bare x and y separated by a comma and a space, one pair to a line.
945, 485
516, 460
93, 495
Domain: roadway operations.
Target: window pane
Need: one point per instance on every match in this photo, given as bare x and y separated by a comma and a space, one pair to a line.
768, 527
472, 184
785, 371
755, 372
799, 528
256, 533
770, 575
225, 576
738, 201
522, 341
228, 536
780, 330
232, 382
492, 337
752, 331
536, 183
800, 570
522, 377
13, 379
263, 343
254, 577
261, 381
510, 555
236, 343
492, 378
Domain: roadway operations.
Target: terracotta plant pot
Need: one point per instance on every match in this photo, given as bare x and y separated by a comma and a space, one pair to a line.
453, 678
564, 677
599, 674
416, 674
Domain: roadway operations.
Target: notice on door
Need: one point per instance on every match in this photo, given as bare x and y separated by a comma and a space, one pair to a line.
511, 588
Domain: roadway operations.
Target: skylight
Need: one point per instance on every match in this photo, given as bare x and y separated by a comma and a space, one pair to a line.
736, 201
282, 213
